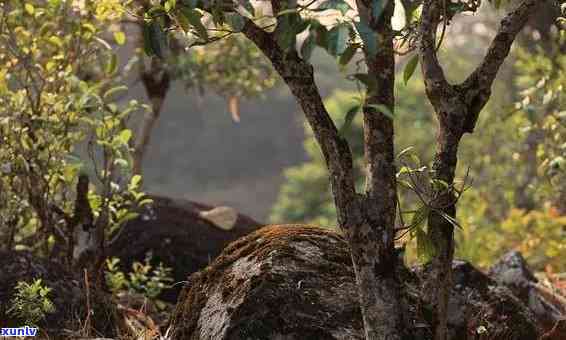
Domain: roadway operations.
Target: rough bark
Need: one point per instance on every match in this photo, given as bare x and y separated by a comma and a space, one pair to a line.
457, 108
298, 282
371, 247
380, 201
83, 247
176, 234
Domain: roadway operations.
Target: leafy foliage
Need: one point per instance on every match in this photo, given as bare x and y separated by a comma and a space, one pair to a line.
31, 302
229, 67
305, 196
490, 220
60, 115
522, 206
144, 278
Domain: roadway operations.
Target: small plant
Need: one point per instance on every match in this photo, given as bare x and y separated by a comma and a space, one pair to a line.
144, 278
31, 302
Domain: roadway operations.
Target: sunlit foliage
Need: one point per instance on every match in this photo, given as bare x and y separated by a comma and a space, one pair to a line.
58, 92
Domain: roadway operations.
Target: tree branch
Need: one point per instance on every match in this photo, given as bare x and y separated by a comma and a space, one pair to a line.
477, 87
298, 74
435, 80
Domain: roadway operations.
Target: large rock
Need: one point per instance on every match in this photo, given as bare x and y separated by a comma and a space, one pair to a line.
296, 282
178, 233
513, 271
68, 295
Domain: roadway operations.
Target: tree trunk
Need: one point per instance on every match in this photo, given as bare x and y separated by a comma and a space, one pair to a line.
380, 201
441, 231
156, 82
457, 108
368, 232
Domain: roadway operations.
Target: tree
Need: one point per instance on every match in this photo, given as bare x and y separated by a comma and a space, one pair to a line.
305, 195
368, 219
58, 91
223, 67
457, 108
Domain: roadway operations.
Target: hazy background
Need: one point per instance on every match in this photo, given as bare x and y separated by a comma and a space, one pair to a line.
199, 153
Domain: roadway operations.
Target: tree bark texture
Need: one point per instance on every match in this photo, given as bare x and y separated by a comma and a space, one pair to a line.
297, 282
457, 108
366, 222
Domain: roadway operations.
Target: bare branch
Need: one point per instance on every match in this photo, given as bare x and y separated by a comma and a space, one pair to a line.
298, 74
477, 86
433, 73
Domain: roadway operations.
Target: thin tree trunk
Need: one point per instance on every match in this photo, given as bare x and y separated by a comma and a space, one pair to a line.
156, 82
441, 232
457, 108
380, 203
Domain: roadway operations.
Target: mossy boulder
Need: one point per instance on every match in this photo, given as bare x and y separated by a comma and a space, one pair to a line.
297, 282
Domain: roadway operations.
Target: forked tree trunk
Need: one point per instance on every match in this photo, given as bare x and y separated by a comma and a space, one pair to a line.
367, 220
457, 108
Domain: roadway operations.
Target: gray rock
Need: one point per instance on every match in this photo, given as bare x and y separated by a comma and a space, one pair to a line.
512, 271
297, 282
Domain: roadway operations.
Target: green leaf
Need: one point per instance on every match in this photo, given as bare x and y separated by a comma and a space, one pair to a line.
425, 247
339, 5
112, 65
123, 137
383, 109
289, 25
155, 40
156, 12
348, 54
285, 38
120, 37
135, 181
29, 8
193, 16
114, 90
350, 115
410, 68
55, 40
368, 36
557, 162
248, 7
183, 22
337, 39
218, 13
419, 217
169, 5
235, 21
308, 47
377, 7
367, 80
320, 33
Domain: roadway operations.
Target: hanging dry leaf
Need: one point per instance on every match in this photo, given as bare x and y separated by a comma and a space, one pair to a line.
234, 107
